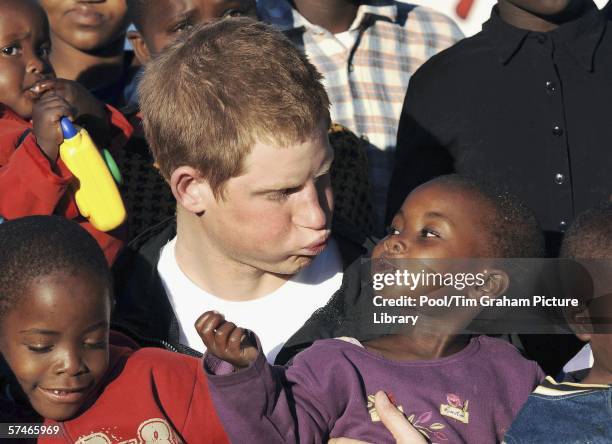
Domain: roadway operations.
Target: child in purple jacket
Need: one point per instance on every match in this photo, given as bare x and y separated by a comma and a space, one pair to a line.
453, 388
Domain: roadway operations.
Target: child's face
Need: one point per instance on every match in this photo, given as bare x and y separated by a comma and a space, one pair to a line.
437, 221
24, 51
167, 19
87, 25
55, 340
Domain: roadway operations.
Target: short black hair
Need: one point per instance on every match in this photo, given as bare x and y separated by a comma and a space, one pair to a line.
514, 228
36, 246
590, 235
136, 11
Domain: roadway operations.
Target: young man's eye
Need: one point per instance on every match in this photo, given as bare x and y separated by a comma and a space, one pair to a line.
12, 50
280, 195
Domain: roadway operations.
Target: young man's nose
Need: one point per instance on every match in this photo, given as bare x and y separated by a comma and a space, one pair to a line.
313, 209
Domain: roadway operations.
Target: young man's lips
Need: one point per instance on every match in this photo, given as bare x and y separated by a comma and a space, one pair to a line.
317, 246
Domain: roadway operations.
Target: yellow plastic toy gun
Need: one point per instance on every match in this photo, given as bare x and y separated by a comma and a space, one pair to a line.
97, 196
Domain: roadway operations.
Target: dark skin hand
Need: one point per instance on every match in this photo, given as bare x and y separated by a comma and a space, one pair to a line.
226, 341
46, 114
59, 98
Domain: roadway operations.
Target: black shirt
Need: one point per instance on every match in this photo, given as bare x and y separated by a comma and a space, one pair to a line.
530, 111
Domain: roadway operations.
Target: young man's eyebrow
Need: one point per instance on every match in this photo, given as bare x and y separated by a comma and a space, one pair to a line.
276, 188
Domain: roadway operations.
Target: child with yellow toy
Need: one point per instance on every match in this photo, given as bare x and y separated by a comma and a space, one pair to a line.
34, 177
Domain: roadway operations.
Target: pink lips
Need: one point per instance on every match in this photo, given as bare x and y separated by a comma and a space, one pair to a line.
317, 246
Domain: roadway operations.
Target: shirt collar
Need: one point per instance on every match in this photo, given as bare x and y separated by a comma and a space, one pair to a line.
286, 18
580, 36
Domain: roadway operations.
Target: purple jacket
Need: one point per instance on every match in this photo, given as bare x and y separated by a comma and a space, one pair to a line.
471, 396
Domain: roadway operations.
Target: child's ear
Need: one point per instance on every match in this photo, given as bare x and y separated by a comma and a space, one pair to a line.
140, 47
579, 320
496, 283
190, 189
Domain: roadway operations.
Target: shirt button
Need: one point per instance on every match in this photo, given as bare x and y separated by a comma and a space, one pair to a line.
557, 130
551, 87
541, 38
562, 225
559, 178
365, 138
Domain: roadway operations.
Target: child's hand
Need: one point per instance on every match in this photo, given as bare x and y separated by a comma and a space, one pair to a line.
87, 111
46, 114
83, 103
226, 341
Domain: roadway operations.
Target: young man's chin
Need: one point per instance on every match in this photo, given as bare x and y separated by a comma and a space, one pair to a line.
291, 266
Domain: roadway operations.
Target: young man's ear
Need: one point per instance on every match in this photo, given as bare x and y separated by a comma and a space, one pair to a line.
140, 47
190, 189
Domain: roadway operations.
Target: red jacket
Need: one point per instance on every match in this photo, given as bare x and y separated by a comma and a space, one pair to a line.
28, 185
150, 395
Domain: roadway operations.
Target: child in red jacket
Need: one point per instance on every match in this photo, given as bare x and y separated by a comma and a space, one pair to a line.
33, 180
55, 309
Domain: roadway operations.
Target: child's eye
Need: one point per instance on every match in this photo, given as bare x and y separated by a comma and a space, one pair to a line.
96, 345
428, 232
182, 27
233, 13
44, 51
392, 231
12, 50
40, 348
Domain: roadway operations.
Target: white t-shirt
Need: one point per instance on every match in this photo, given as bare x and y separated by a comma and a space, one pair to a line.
274, 317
